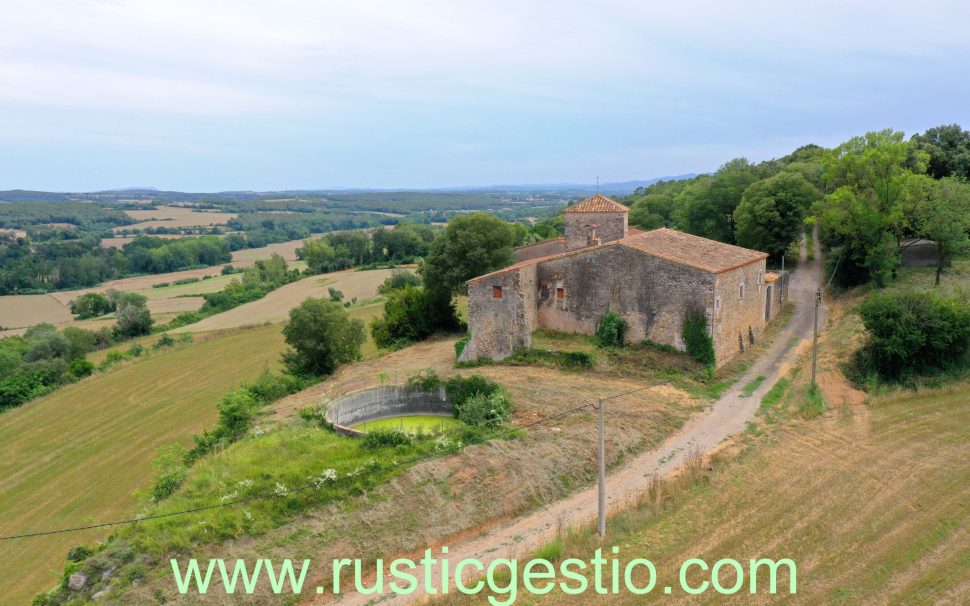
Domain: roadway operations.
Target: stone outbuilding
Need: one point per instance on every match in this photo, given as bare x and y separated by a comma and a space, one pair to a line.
651, 278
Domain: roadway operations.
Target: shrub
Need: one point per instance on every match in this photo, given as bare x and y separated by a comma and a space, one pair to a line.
913, 333
487, 409
479, 401
171, 472
161, 284
398, 279
698, 342
461, 343
165, 340
381, 438
136, 350
408, 316
80, 367
424, 380
611, 329
182, 281
321, 337
335, 295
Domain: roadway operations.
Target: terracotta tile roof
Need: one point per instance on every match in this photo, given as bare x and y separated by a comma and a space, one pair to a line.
675, 246
597, 204
692, 251
633, 231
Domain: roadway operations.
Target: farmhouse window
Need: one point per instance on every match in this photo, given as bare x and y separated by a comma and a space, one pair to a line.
496, 292
741, 290
543, 291
560, 293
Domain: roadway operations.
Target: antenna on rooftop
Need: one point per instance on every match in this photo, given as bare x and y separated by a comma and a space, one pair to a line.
597, 185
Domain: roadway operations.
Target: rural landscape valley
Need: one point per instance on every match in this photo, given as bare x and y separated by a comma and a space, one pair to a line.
346, 304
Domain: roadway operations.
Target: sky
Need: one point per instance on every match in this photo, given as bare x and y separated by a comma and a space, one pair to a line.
300, 94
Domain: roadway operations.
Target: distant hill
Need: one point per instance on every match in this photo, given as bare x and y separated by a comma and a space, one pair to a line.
568, 189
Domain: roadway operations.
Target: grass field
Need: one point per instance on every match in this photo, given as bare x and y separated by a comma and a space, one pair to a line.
76, 456
872, 507
176, 216
275, 306
412, 424
20, 311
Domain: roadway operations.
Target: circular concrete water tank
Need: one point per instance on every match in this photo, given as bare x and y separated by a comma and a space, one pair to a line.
376, 403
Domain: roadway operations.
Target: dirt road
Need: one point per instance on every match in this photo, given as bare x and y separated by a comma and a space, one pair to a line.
726, 417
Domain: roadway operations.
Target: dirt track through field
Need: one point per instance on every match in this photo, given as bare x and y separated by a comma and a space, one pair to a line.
726, 417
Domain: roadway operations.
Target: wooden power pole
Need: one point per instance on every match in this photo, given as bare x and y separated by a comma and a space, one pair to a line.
602, 474
818, 303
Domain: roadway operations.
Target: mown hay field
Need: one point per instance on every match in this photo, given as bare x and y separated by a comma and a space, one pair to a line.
77, 456
20, 311
276, 306
176, 216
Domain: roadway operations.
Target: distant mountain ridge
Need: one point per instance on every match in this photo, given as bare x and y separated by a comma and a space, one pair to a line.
619, 188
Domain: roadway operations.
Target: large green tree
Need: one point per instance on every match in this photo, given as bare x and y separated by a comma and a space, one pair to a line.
769, 217
871, 178
321, 337
949, 149
708, 204
943, 216
470, 246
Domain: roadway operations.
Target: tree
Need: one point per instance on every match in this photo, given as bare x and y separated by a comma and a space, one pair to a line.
949, 149
913, 333
708, 204
653, 210
408, 317
470, 246
90, 305
81, 341
769, 217
399, 278
133, 317
944, 217
871, 176
321, 337
45, 343
319, 255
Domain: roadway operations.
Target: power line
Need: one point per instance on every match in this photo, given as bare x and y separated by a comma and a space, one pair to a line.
281, 493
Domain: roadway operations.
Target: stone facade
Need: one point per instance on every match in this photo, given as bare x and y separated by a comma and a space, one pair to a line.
652, 279
589, 229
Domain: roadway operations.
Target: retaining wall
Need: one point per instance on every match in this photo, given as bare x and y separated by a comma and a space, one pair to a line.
383, 402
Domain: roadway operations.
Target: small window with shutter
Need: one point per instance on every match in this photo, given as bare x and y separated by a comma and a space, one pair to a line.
496, 292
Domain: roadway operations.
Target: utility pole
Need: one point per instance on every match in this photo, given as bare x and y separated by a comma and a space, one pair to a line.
818, 303
602, 475
781, 295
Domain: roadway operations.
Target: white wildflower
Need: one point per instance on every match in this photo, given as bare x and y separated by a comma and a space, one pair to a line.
280, 489
258, 431
231, 495
245, 483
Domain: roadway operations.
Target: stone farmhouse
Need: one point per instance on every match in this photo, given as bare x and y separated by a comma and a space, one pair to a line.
651, 278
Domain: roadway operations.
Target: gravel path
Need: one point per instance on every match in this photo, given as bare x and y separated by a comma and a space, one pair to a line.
726, 417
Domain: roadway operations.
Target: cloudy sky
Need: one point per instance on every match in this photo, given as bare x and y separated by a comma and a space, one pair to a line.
217, 95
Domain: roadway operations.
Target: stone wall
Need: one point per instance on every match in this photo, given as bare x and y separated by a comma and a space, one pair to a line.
738, 318
652, 294
609, 227
501, 324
